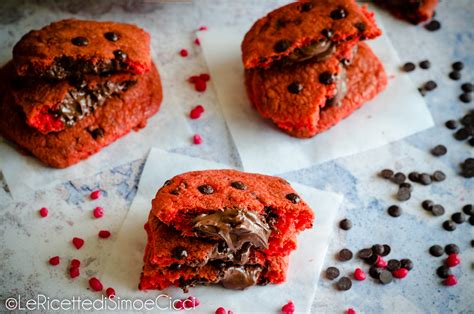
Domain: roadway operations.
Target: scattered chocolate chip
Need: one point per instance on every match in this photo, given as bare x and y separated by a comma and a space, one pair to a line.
457, 66
394, 211
425, 179
399, 178
393, 265
295, 87
365, 253
403, 194
374, 272
407, 264
345, 224
239, 185
451, 124
430, 85
305, 7
386, 249
206, 189
372, 260
385, 277
465, 97
175, 266
439, 150
436, 250
468, 209
406, 185
344, 284
425, 64
455, 75
327, 32
443, 271
471, 141
437, 210
332, 273
461, 134
326, 78
281, 45
120, 55
449, 225
467, 170
451, 249
378, 249
80, 41
338, 13
427, 204
467, 87
438, 176
294, 198
409, 67
458, 218
386, 174
414, 176
471, 220
179, 253
344, 255
111, 36
433, 25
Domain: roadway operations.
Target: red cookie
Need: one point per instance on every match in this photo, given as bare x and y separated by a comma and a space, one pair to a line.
70, 47
414, 11
303, 30
115, 118
313, 107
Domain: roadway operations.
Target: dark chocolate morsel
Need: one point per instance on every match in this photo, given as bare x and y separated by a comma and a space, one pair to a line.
111, 36
206, 189
327, 78
80, 41
339, 13
332, 273
294, 198
239, 185
281, 45
436, 250
179, 253
344, 284
295, 87
120, 55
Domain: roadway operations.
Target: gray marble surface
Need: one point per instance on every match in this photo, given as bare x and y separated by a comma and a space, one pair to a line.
172, 26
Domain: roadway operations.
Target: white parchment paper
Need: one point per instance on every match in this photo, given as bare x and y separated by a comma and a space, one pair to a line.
167, 129
125, 263
396, 113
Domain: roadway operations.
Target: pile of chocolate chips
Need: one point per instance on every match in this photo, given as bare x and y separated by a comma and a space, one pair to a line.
444, 271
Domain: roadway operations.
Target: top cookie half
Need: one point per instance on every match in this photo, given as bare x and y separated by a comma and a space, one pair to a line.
72, 47
306, 29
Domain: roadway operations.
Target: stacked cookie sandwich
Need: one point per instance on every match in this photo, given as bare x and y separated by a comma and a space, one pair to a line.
222, 227
305, 65
76, 86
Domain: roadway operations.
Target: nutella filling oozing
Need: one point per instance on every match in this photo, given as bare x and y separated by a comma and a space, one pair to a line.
320, 51
235, 226
240, 277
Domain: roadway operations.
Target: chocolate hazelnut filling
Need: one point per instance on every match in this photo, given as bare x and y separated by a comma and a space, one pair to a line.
320, 50
341, 91
240, 277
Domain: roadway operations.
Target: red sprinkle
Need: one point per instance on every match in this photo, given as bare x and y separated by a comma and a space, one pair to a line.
75, 263
203, 28
98, 212
43, 212
220, 310
110, 292
453, 260
205, 77
359, 274
54, 260
288, 308
183, 53
74, 272
197, 139
104, 234
192, 79
197, 42
196, 112
95, 195
78, 242
179, 305
381, 263
400, 273
450, 281
200, 85
95, 284
190, 303
351, 311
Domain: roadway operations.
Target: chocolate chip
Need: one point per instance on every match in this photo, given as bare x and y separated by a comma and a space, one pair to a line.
457, 66
338, 13
120, 55
294, 198
430, 85
111, 36
394, 211
179, 252
437, 210
96, 133
451, 249
458, 218
407, 264
332, 273
436, 250
406, 185
461, 134
305, 7
467, 87
439, 150
455, 75
372, 260
374, 272
295, 87
327, 32
393, 265
239, 185
175, 191
433, 25
326, 78
467, 169
281, 45
206, 189
425, 179
378, 249
449, 225
345, 224
443, 271
344, 255
471, 220
386, 249
175, 266
386, 174
471, 141
468, 209
365, 253
427, 204
409, 67
414, 176
385, 277
344, 284
438, 176
465, 97
451, 124
403, 194
168, 182
399, 178
425, 64
80, 41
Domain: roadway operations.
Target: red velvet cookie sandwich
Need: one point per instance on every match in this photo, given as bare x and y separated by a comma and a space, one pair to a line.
222, 227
